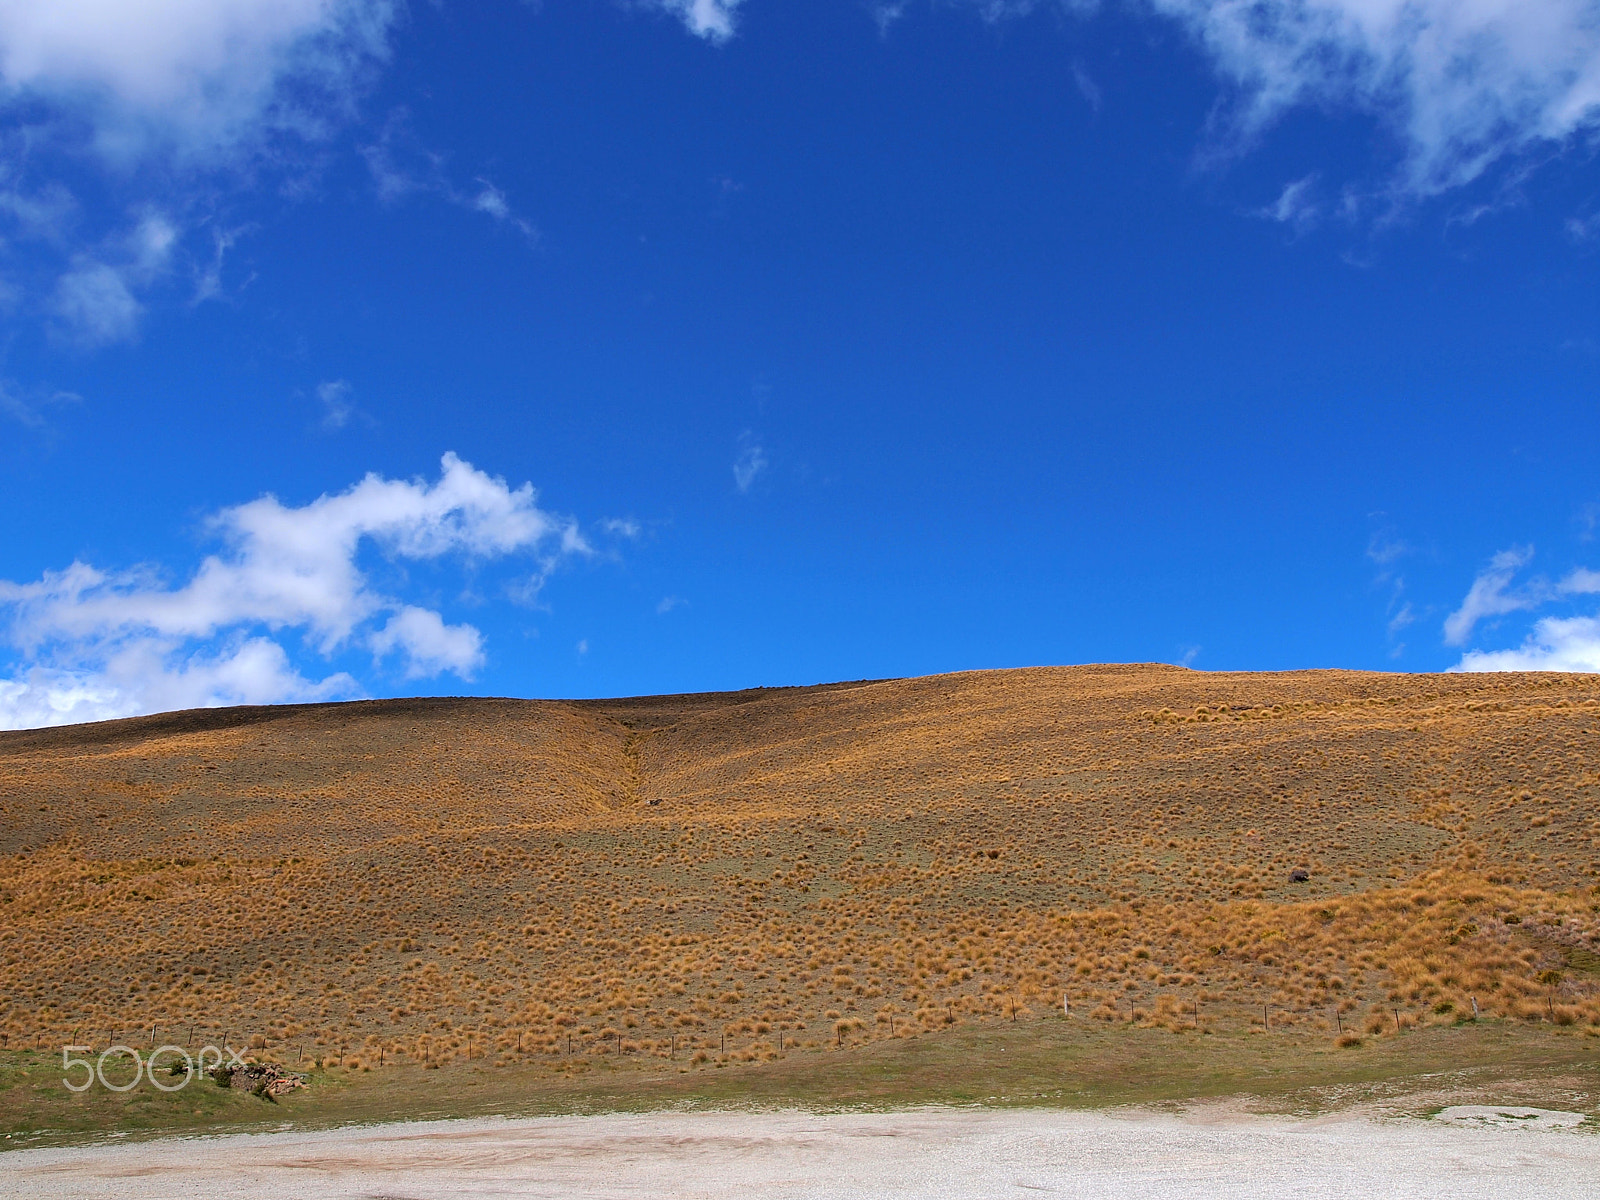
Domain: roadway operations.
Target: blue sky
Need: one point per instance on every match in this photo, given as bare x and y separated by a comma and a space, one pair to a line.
592, 348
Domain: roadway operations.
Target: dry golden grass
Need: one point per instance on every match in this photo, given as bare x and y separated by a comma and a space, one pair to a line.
429, 878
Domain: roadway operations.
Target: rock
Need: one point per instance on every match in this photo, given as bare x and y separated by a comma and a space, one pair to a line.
269, 1077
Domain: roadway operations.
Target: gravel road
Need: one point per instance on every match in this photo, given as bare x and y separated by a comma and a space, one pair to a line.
936, 1153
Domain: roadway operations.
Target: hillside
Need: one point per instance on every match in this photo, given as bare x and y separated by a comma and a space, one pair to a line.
433, 878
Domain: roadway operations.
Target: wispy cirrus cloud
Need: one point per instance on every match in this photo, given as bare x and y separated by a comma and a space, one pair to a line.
750, 462
1491, 594
402, 167
89, 643
713, 20
1458, 87
338, 405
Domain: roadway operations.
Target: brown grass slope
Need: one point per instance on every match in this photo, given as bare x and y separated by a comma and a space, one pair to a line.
847, 862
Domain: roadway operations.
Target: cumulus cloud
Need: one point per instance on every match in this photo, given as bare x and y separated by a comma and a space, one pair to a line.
146, 675
92, 644
430, 647
1554, 643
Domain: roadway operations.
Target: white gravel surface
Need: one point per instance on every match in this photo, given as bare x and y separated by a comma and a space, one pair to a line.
925, 1153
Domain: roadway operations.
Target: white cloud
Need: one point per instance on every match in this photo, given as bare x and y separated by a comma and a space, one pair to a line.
145, 675
93, 644
402, 167
1385, 547
337, 407
492, 200
94, 302
1491, 595
1580, 582
1555, 644
96, 306
886, 13
26, 406
1460, 83
710, 19
178, 102
1087, 87
46, 212
195, 76
1402, 619
430, 646
751, 462
1295, 206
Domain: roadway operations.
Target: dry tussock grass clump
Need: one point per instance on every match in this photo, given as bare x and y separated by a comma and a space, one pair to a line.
716, 877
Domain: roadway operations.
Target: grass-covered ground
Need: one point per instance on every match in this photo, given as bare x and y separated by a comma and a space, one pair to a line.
840, 894
1049, 1062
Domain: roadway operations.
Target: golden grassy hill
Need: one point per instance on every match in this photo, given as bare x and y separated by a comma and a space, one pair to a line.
810, 862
